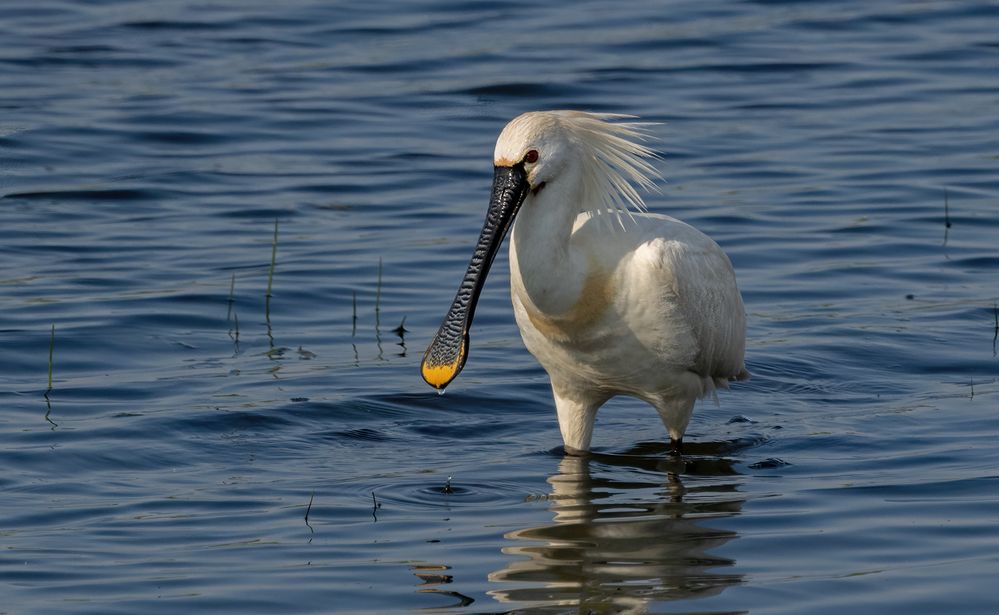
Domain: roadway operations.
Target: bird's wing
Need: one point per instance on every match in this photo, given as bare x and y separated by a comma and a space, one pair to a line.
697, 277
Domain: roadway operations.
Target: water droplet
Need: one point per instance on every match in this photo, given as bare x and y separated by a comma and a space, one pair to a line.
441, 391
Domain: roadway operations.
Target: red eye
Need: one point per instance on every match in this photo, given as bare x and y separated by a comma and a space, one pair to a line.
531, 157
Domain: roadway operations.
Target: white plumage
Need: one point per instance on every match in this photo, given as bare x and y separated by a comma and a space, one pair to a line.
610, 301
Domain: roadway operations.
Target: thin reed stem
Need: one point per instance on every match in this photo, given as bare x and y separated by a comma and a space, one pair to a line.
378, 289
270, 274
51, 348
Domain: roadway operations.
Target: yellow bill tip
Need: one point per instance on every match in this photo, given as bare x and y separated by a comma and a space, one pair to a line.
438, 376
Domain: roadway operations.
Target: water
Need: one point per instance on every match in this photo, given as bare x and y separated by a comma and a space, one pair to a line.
207, 449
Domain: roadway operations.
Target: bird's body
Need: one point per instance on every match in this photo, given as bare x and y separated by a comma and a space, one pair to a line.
650, 311
609, 302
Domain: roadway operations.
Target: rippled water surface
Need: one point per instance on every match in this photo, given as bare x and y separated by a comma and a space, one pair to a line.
207, 449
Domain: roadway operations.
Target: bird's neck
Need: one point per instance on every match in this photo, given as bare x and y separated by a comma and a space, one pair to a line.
545, 268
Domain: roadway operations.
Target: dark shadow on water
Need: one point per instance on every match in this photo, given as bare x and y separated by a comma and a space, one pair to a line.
628, 530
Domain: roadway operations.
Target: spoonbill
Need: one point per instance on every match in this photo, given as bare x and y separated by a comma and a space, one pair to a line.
610, 301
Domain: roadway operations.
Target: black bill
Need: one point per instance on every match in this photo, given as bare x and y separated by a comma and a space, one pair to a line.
445, 357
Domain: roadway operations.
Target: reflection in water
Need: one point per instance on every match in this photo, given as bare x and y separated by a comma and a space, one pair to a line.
432, 575
620, 541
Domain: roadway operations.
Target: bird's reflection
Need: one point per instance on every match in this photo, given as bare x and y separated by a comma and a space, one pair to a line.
627, 531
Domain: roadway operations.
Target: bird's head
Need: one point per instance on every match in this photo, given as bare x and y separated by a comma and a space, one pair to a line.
608, 155
534, 150
538, 143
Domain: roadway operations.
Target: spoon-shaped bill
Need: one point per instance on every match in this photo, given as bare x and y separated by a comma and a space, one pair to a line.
446, 355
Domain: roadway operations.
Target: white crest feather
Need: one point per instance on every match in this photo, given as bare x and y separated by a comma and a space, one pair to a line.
617, 161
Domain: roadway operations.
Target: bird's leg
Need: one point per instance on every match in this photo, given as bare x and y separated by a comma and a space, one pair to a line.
675, 444
675, 414
576, 414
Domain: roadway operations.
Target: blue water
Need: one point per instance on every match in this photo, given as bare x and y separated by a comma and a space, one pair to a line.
207, 449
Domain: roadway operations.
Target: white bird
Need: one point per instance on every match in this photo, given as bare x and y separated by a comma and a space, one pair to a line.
610, 301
